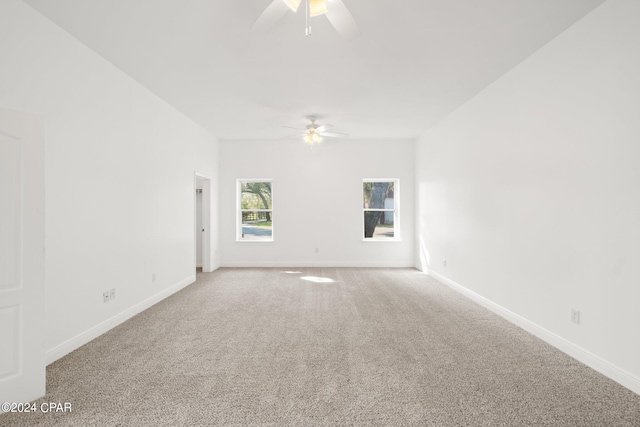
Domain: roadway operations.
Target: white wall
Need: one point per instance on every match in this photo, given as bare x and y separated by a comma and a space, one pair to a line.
317, 196
531, 192
120, 168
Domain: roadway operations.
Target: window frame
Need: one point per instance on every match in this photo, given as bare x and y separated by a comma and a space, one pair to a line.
396, 210
240, 211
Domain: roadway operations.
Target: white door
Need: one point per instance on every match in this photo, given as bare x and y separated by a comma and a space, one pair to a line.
203, 233
22, 365
199, 229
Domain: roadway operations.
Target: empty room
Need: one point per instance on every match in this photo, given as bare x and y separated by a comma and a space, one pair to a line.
319, 212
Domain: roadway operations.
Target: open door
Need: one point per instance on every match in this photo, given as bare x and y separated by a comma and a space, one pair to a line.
202, 221
22, 262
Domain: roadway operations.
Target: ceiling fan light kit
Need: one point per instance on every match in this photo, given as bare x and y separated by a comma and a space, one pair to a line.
293, 4
312, 137
314, 133
316, 7
337, 14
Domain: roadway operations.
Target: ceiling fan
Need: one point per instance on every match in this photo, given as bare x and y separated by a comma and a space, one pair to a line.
335, 11
314, 133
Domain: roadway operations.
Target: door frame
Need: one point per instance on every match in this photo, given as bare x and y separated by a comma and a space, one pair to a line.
205, 181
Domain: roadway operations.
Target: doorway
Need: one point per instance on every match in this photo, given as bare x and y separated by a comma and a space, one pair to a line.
199, 227
202, 223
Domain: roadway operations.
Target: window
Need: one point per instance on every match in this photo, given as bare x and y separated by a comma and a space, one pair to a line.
255, 210
380, 207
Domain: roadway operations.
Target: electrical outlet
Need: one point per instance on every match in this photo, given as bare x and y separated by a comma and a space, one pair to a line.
112, 294
153, 277
575, 316
105, 296
444, 263
317, 250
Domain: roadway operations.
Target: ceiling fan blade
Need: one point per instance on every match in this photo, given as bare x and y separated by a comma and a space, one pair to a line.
342, 20
302, 135
290, 127
270, 16
324, 128
334, 134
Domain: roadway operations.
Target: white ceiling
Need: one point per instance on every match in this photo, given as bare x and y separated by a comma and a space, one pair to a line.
415, 62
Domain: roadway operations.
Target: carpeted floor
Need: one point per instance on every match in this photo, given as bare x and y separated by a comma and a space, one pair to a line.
325, 346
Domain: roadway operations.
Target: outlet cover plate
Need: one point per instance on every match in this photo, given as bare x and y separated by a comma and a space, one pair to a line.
575, 316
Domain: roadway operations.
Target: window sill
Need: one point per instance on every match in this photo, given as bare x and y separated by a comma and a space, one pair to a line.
381, 240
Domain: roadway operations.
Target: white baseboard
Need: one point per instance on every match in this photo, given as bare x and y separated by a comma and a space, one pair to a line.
81, 339
606, 368
300, 264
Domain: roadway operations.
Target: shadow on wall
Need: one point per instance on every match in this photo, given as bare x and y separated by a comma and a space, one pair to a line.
424, 259
423, 253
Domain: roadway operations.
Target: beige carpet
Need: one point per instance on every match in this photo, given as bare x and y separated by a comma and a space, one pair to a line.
372, 347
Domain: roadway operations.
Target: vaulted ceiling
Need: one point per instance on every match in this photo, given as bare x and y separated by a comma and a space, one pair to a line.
415, 62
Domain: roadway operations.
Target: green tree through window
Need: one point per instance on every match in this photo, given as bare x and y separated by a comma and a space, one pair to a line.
379, 203
256, 210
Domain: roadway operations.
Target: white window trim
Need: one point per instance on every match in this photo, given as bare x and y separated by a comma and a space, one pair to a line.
396, 212
239, 210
